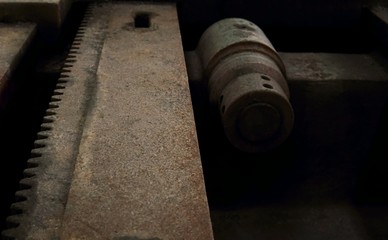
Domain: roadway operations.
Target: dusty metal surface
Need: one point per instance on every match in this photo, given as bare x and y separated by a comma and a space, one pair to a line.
47, 12
14, 39
41, 201
138, 173
117, 157
331, 67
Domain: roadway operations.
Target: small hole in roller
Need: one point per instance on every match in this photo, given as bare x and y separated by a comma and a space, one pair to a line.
267, 86
265, 78
223, 109
142, 20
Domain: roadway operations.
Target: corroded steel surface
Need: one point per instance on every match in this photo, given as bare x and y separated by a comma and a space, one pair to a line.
41, 201
138, 172
14, 38
117, 157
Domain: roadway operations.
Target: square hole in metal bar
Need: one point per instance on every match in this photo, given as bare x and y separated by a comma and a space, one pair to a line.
142, 20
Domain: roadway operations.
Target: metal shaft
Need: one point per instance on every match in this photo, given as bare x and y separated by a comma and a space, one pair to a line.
246, 79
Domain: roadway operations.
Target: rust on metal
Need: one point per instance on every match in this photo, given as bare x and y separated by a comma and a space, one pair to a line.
138, 173
246, 80
117, 157
48, 177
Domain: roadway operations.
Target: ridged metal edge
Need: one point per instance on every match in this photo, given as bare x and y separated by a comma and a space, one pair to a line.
29, 217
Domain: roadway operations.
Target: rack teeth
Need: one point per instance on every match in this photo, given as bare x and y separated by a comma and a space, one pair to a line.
48, 119
19, 207
52, 105
39, 144
71, 60
45, 127
51, 113
33, 163
63, 75
34, 154
9, 234
76, 43
73, 51
27, 183
67, 65
66, 70
31, 171
57, 92
40, 136
61, 83
60, 86
78, 38
14, 220
22, 205
22, 195
54, 99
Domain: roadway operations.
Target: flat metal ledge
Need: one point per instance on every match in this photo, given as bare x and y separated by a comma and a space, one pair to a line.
46, 12
14, 40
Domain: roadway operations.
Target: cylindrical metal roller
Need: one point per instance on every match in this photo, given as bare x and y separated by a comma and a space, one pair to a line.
246, 79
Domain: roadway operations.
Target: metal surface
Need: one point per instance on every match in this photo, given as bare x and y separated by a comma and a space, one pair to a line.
118, 156
49, 13
330, 67
329, 179
138, 172
14, 39
42, 200
246, 79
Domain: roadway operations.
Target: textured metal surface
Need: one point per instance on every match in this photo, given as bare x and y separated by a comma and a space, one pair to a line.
47, 12
330, 67
43, 197
138, 172
246, 81
14, 39
117, 157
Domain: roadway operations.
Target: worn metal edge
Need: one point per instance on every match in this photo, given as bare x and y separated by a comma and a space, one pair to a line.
40, 202
46, 13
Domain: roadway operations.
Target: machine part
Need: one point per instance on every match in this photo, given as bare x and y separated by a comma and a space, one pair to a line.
41, 201
118, 157
49, 13
338, 145
14, 39
246, 80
